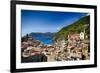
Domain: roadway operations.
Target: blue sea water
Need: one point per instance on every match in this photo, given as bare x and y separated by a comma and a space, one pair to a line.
45, 40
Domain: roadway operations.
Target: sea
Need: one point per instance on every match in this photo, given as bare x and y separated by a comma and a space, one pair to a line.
45, 40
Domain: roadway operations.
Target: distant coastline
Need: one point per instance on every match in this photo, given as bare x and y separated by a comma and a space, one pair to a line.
47, 38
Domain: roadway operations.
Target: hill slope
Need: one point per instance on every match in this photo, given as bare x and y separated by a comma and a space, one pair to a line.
76, 27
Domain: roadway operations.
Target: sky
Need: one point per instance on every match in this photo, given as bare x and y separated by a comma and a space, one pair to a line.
47, 21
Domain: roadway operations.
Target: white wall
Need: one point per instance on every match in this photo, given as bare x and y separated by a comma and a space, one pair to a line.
5, 37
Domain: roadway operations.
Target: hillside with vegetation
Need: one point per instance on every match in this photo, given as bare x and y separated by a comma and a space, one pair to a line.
76, 27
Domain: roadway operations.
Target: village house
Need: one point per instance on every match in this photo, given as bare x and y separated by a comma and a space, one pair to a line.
76, 36
82, 34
